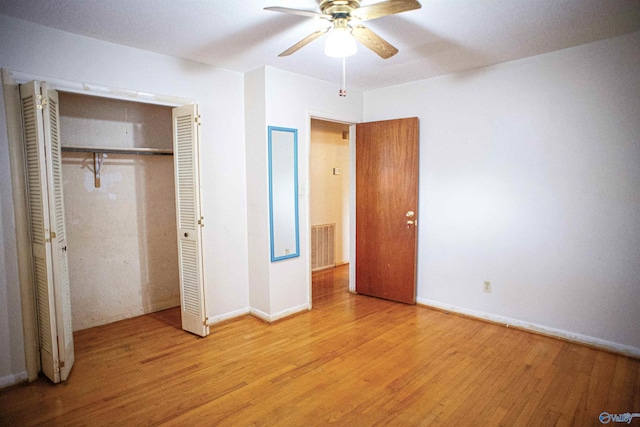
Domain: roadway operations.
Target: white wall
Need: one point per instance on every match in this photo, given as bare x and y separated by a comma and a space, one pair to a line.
34, 49
257, 187
12, 363
329, 192
529, 178
289, 101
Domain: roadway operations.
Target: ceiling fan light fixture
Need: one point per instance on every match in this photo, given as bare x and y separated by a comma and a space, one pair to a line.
343, 12
340, 43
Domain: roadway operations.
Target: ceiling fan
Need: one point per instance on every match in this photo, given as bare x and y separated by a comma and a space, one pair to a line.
345, 16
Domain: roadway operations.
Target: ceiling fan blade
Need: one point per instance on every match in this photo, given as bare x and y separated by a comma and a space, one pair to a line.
307, 13
374, 42
305, 41
390, 7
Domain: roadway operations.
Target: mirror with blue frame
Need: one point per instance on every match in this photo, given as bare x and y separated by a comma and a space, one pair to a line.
283, 193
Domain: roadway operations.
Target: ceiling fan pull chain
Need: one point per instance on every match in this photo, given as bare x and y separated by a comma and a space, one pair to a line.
343, 89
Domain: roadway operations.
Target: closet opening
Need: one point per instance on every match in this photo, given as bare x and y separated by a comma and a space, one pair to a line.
103, 141
120, 208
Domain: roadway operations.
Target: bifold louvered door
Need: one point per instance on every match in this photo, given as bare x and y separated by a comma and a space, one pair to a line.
186, 148
39, 106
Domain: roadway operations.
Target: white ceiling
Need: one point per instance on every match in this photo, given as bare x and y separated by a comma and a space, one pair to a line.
444, 36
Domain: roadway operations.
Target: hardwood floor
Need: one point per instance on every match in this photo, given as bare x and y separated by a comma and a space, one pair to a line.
352, 360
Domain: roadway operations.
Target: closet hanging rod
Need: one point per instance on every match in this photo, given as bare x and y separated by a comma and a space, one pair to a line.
144, 151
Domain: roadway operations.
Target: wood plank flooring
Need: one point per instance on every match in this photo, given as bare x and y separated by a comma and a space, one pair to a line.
352, 360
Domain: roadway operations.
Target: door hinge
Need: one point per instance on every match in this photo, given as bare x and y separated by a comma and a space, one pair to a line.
201, 221
206, 321
61, 363
53, 235
198, 121
41, 102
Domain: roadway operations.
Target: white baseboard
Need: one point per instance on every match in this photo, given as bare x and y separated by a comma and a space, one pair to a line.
12, 379
228, 316
280, 315
289, 312
533, 327
260, 314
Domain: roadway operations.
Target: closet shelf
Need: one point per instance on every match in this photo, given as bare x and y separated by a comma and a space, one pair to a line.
144, 151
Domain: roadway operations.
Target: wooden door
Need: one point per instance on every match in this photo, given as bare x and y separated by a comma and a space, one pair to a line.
39, 106
387, 209
186, 149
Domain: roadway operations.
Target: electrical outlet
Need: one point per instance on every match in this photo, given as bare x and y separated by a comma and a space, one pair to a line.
486, 286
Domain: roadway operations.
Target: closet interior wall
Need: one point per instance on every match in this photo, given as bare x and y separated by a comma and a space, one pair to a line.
123, 258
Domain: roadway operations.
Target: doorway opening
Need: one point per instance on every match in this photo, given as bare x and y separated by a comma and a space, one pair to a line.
329, 195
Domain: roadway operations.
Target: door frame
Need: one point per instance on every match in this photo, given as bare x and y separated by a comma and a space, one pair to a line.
10, 87
351, 121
